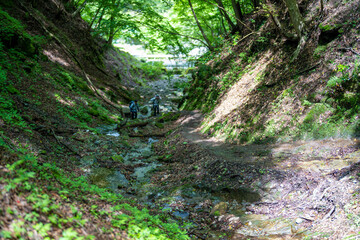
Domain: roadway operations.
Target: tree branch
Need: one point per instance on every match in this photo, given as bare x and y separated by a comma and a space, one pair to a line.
174, 33
242, 23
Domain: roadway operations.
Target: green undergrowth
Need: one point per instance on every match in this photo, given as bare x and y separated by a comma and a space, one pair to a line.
18, 60
55, 207
337, 114
212, 82
332, 111
23, 78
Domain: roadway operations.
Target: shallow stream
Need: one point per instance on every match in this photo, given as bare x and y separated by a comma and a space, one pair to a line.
187, 202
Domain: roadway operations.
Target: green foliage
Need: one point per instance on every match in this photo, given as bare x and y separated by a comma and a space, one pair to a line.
13, 35
70, 81
320, 50
139, 224
334, 81
152, 70
8, 112
315, 112
329, 27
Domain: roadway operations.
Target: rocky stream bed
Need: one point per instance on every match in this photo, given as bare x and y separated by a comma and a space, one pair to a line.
297, 190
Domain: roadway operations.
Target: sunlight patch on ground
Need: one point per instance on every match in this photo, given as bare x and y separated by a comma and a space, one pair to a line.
61, 100
55, 59
239, 93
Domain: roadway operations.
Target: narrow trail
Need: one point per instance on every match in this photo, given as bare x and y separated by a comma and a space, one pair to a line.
307, 153
271, 191
304, 186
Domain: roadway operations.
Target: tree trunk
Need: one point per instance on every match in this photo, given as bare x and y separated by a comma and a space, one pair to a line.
270, 9
224, 13
256, 4
295, 17
321, 6
111, 30
100, 18
238, 13
79, 8
208, 43
222, 22
94, 18
298, 24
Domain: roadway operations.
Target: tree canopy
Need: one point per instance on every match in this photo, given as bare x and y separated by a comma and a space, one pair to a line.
174, 26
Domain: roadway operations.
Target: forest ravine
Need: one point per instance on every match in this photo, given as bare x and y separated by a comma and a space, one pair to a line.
259, 140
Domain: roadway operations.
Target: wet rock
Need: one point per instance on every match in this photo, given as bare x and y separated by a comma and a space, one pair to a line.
118, 180
126, 110
140, 172
219, 209
87, 161
229, 222
151, 141
181, 214
144, 110
98, 176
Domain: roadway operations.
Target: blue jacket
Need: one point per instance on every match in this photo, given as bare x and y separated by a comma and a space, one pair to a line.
133, 107
155, 101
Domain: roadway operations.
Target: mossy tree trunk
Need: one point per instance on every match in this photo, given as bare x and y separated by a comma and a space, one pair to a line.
225, 14
299, 25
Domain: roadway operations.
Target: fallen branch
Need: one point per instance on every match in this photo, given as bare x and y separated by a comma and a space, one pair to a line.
307, 219
310, 68
349, 49
197, 235
45, 129
329, 213
61, 143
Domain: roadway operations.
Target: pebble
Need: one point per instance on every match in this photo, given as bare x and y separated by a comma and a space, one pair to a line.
299, 220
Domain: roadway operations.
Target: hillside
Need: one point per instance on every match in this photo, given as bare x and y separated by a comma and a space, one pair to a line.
58, 82
265, 145
252, 92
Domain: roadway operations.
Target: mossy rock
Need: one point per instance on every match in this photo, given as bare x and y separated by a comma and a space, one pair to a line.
219, 209
316, 111
98, 176
350, 99
167, 117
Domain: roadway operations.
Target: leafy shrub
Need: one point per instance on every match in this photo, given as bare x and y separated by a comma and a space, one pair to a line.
152, 70
315, 112
334, 81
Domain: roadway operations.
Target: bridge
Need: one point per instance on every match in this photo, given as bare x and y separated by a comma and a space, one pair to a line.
170, 61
